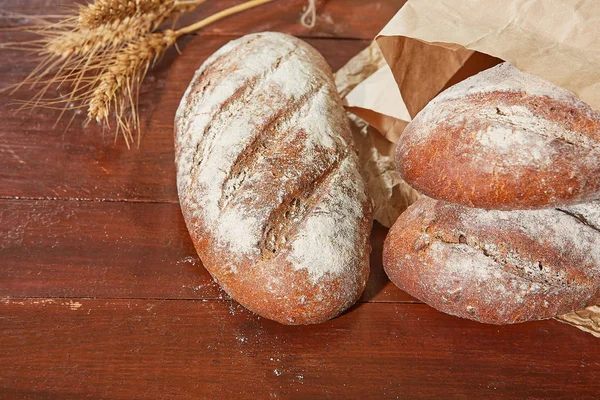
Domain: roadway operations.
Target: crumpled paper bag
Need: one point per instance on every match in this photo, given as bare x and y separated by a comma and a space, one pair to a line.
430, 45
391, 195
554, 39
588, 320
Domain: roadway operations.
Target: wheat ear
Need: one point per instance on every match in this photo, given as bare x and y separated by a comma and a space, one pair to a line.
108, 11
121, 80
105, 51
118, 87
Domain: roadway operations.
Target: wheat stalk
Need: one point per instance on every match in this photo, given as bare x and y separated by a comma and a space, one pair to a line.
105, 51
89, 41
122, 78
107, 11
98, 32
112, 22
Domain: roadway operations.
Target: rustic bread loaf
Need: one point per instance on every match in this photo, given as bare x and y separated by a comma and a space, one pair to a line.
504, 139
497, 267
268, 180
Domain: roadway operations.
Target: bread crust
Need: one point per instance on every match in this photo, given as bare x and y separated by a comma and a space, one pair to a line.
497, 267
505, 140
269, 183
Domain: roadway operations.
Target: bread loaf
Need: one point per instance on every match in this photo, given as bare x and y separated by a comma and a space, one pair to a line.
497, 267
504, 139
268, 180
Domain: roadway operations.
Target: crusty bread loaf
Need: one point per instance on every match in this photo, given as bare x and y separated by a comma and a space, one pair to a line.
268, 180
497, 267
504, 139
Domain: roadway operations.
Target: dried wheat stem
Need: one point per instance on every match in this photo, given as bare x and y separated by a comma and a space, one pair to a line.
105, 49
101, 12
109, 23
222, 14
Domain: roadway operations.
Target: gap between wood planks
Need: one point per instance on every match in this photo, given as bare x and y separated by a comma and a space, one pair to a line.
86, 200
9, 299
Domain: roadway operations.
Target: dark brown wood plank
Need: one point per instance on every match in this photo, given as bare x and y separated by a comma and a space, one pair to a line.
117, 250
123, 349
356, 19
38, 160
89, 249
84, 284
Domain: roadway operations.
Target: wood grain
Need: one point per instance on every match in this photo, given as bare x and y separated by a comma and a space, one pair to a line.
118, 250
103, 297
124, 349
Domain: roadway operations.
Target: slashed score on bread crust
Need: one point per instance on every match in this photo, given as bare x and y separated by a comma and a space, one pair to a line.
268, 180
504, 139
497, 267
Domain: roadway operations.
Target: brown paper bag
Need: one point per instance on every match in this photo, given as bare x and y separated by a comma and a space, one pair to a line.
431, 44
428, 41
390, 194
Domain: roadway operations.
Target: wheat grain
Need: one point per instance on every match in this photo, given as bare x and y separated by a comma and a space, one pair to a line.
128, 67
64, 43
110, 23
108, 11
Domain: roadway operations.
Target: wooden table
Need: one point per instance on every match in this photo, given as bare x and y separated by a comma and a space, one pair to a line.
103, 297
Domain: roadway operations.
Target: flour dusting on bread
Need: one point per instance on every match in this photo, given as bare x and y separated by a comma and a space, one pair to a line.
570, 230
495, 266
505, 77
503, 139
268, 179
326, 243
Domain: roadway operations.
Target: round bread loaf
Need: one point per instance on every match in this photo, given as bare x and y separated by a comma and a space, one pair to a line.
497, 267
268, 180
504, 139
